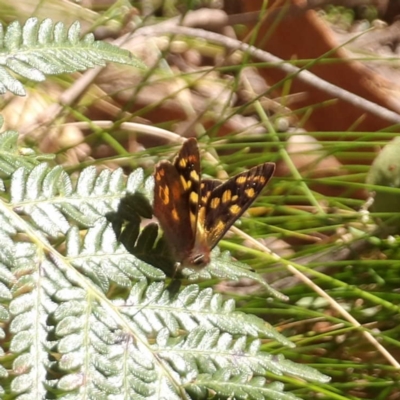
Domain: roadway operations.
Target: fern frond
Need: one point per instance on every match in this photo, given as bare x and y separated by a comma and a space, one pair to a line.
41, 48
12, 157
84, 318
223, 266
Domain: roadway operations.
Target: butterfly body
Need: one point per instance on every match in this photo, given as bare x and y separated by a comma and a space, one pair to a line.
195, 214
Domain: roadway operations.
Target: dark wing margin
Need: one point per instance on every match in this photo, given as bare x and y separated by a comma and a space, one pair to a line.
229, 200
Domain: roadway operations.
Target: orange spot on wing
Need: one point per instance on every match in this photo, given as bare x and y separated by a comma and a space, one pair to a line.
234, 209
182, 163
250, 192
240, 180
194, 175
175, 215
163, 194
192, 159
226, 196
215, 202
194, 197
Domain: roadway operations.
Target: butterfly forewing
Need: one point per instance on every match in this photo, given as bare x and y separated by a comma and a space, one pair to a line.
206, 188
229, 200
171, 208
187, 164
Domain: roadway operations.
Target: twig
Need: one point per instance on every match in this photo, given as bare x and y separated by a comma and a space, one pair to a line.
305, 76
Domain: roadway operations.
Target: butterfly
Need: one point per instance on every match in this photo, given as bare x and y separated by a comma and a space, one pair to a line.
195, 213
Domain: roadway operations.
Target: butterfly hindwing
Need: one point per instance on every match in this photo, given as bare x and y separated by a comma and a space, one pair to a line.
229, 200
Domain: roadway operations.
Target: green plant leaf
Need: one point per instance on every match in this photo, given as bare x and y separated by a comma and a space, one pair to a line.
38, 48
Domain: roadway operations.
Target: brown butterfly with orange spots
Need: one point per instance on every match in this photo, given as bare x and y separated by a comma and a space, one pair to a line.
195, 214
